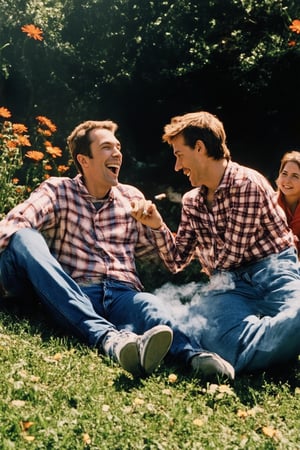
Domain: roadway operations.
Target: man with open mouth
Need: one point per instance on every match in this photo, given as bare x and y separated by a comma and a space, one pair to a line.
232, 223
74, 243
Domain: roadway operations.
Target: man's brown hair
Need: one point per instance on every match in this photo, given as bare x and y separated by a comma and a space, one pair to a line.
79, 140
202, 126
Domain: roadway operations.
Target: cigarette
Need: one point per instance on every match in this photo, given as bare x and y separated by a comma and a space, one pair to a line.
160, 196
134, 207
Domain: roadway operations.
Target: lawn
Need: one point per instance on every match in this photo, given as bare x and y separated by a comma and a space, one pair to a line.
56, 393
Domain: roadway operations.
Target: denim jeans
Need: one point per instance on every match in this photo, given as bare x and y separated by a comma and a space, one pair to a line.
88, 311
252, 313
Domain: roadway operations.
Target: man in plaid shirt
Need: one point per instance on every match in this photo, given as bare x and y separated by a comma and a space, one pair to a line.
232, 222
74, 242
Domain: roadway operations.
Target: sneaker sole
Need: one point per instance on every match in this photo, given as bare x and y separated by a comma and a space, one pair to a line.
129, 359
155, 350
213, 366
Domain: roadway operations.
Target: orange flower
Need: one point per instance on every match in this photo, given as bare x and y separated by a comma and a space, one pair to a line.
4, 112
44, 132
24, 141
295, 26
47, 167
54, 151
61, 168
35, 155
292, 43
11, 144
47, 122
19, 128
33, 32
15, 180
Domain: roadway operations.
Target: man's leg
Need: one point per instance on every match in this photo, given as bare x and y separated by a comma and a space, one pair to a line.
27, 263
139, 311
274, 336
253, 318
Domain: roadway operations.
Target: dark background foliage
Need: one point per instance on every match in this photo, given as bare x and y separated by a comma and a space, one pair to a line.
140, 62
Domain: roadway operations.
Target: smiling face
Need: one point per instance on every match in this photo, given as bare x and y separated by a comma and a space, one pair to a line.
101, 171
192, 161
288, 180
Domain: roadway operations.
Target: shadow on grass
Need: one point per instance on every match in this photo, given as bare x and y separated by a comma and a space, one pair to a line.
30, 316
250, 386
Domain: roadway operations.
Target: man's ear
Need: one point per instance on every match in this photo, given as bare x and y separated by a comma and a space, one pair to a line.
199, 145
82, 159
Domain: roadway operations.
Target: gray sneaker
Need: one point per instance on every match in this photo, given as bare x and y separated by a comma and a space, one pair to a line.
211, 364
122, 347
153, 346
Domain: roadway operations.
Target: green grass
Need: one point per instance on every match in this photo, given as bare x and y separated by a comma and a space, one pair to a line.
56, 393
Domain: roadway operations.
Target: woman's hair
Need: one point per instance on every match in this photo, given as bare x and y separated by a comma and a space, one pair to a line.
79, 140
292, 156
202, 126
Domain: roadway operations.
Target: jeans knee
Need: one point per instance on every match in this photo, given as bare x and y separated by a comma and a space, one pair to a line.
23, 235
27, 243
25, 238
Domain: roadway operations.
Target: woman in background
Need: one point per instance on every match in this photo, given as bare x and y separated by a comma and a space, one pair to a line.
288, 183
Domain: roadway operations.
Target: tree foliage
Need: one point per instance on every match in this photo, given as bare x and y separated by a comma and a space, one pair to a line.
139, 62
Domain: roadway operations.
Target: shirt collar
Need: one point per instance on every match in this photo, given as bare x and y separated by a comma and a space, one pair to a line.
85, 193
224, 181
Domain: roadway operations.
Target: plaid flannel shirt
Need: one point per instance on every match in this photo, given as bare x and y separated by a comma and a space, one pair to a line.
89, 244
245, 224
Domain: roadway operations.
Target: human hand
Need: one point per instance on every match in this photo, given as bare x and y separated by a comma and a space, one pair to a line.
146, 212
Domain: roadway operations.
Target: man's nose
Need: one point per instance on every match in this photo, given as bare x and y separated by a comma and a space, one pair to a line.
178, 166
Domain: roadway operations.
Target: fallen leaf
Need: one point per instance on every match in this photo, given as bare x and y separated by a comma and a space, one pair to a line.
167, 391
271, 432
242, 413
138, 401
28, 438
18, 403
198, 422
172, 378
86, 439
25, 424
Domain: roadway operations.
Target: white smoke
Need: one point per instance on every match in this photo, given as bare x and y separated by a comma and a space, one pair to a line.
185, 302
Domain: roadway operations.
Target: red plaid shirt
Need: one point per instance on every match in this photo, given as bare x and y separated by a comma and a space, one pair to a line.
244, 224
89, 243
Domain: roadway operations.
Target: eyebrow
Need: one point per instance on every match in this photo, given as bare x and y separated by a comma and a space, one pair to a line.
291, 173
175, 152
110, 143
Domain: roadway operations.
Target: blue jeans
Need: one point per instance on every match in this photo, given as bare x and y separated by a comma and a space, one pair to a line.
252, 313
88, 311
